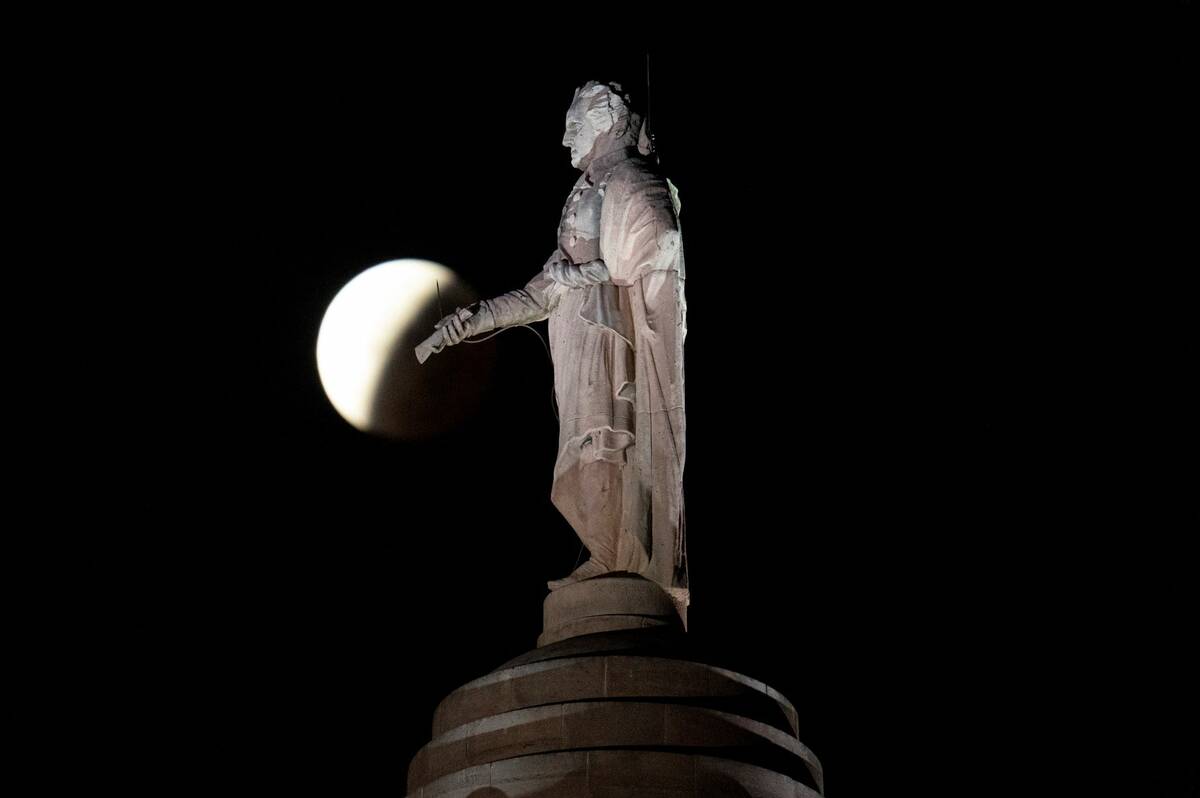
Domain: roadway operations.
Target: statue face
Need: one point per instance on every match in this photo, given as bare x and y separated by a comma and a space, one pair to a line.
581, 133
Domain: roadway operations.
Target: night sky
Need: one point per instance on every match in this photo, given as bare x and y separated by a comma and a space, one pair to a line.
888, 450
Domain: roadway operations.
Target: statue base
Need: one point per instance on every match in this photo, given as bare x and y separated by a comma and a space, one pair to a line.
607, 603
612, 703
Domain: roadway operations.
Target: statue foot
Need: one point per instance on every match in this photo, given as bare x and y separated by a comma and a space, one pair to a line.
586, 571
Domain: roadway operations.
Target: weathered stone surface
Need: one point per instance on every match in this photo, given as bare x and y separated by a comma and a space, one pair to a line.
562, 774
602, 724
609, 595
644, 770
517, 688
616, 774
605, 604
668, 642
607, 725
597, 624
613, 676
722, 778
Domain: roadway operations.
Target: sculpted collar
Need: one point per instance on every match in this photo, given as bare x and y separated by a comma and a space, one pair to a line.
602, 165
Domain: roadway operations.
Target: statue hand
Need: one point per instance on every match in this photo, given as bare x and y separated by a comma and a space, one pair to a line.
595, 271
567, 273
453, 326
559, 271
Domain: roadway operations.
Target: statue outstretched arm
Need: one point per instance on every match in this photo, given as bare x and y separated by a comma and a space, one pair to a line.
533, 303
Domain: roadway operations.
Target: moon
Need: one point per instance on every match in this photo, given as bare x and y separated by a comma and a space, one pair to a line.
365, 357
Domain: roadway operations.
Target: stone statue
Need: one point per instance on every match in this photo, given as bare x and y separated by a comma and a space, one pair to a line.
613, 291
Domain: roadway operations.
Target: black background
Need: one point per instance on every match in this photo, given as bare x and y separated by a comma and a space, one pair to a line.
914, 503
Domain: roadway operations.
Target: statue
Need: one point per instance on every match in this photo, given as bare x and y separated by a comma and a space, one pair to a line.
613, 291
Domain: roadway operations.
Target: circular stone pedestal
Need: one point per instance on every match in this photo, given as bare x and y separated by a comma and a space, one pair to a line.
612, 705
605, 604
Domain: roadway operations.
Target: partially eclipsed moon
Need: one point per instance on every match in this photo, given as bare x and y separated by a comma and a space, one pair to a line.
365, 352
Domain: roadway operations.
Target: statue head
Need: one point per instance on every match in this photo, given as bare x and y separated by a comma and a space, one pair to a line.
600, 119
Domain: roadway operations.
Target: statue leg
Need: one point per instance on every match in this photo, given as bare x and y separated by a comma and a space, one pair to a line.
589, 495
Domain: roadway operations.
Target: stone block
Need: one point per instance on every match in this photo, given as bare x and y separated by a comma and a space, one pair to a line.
606, 724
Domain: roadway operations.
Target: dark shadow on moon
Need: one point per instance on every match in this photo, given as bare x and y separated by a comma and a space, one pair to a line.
415, 401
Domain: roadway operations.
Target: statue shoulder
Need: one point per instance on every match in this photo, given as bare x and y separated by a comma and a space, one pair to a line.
639, 179
635, 172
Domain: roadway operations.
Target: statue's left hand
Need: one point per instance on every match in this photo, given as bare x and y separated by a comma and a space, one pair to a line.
569, 274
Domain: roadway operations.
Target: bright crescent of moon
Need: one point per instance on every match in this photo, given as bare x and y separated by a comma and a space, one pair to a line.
362, 325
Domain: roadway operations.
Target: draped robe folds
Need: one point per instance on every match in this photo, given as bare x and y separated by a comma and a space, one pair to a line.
617, 348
